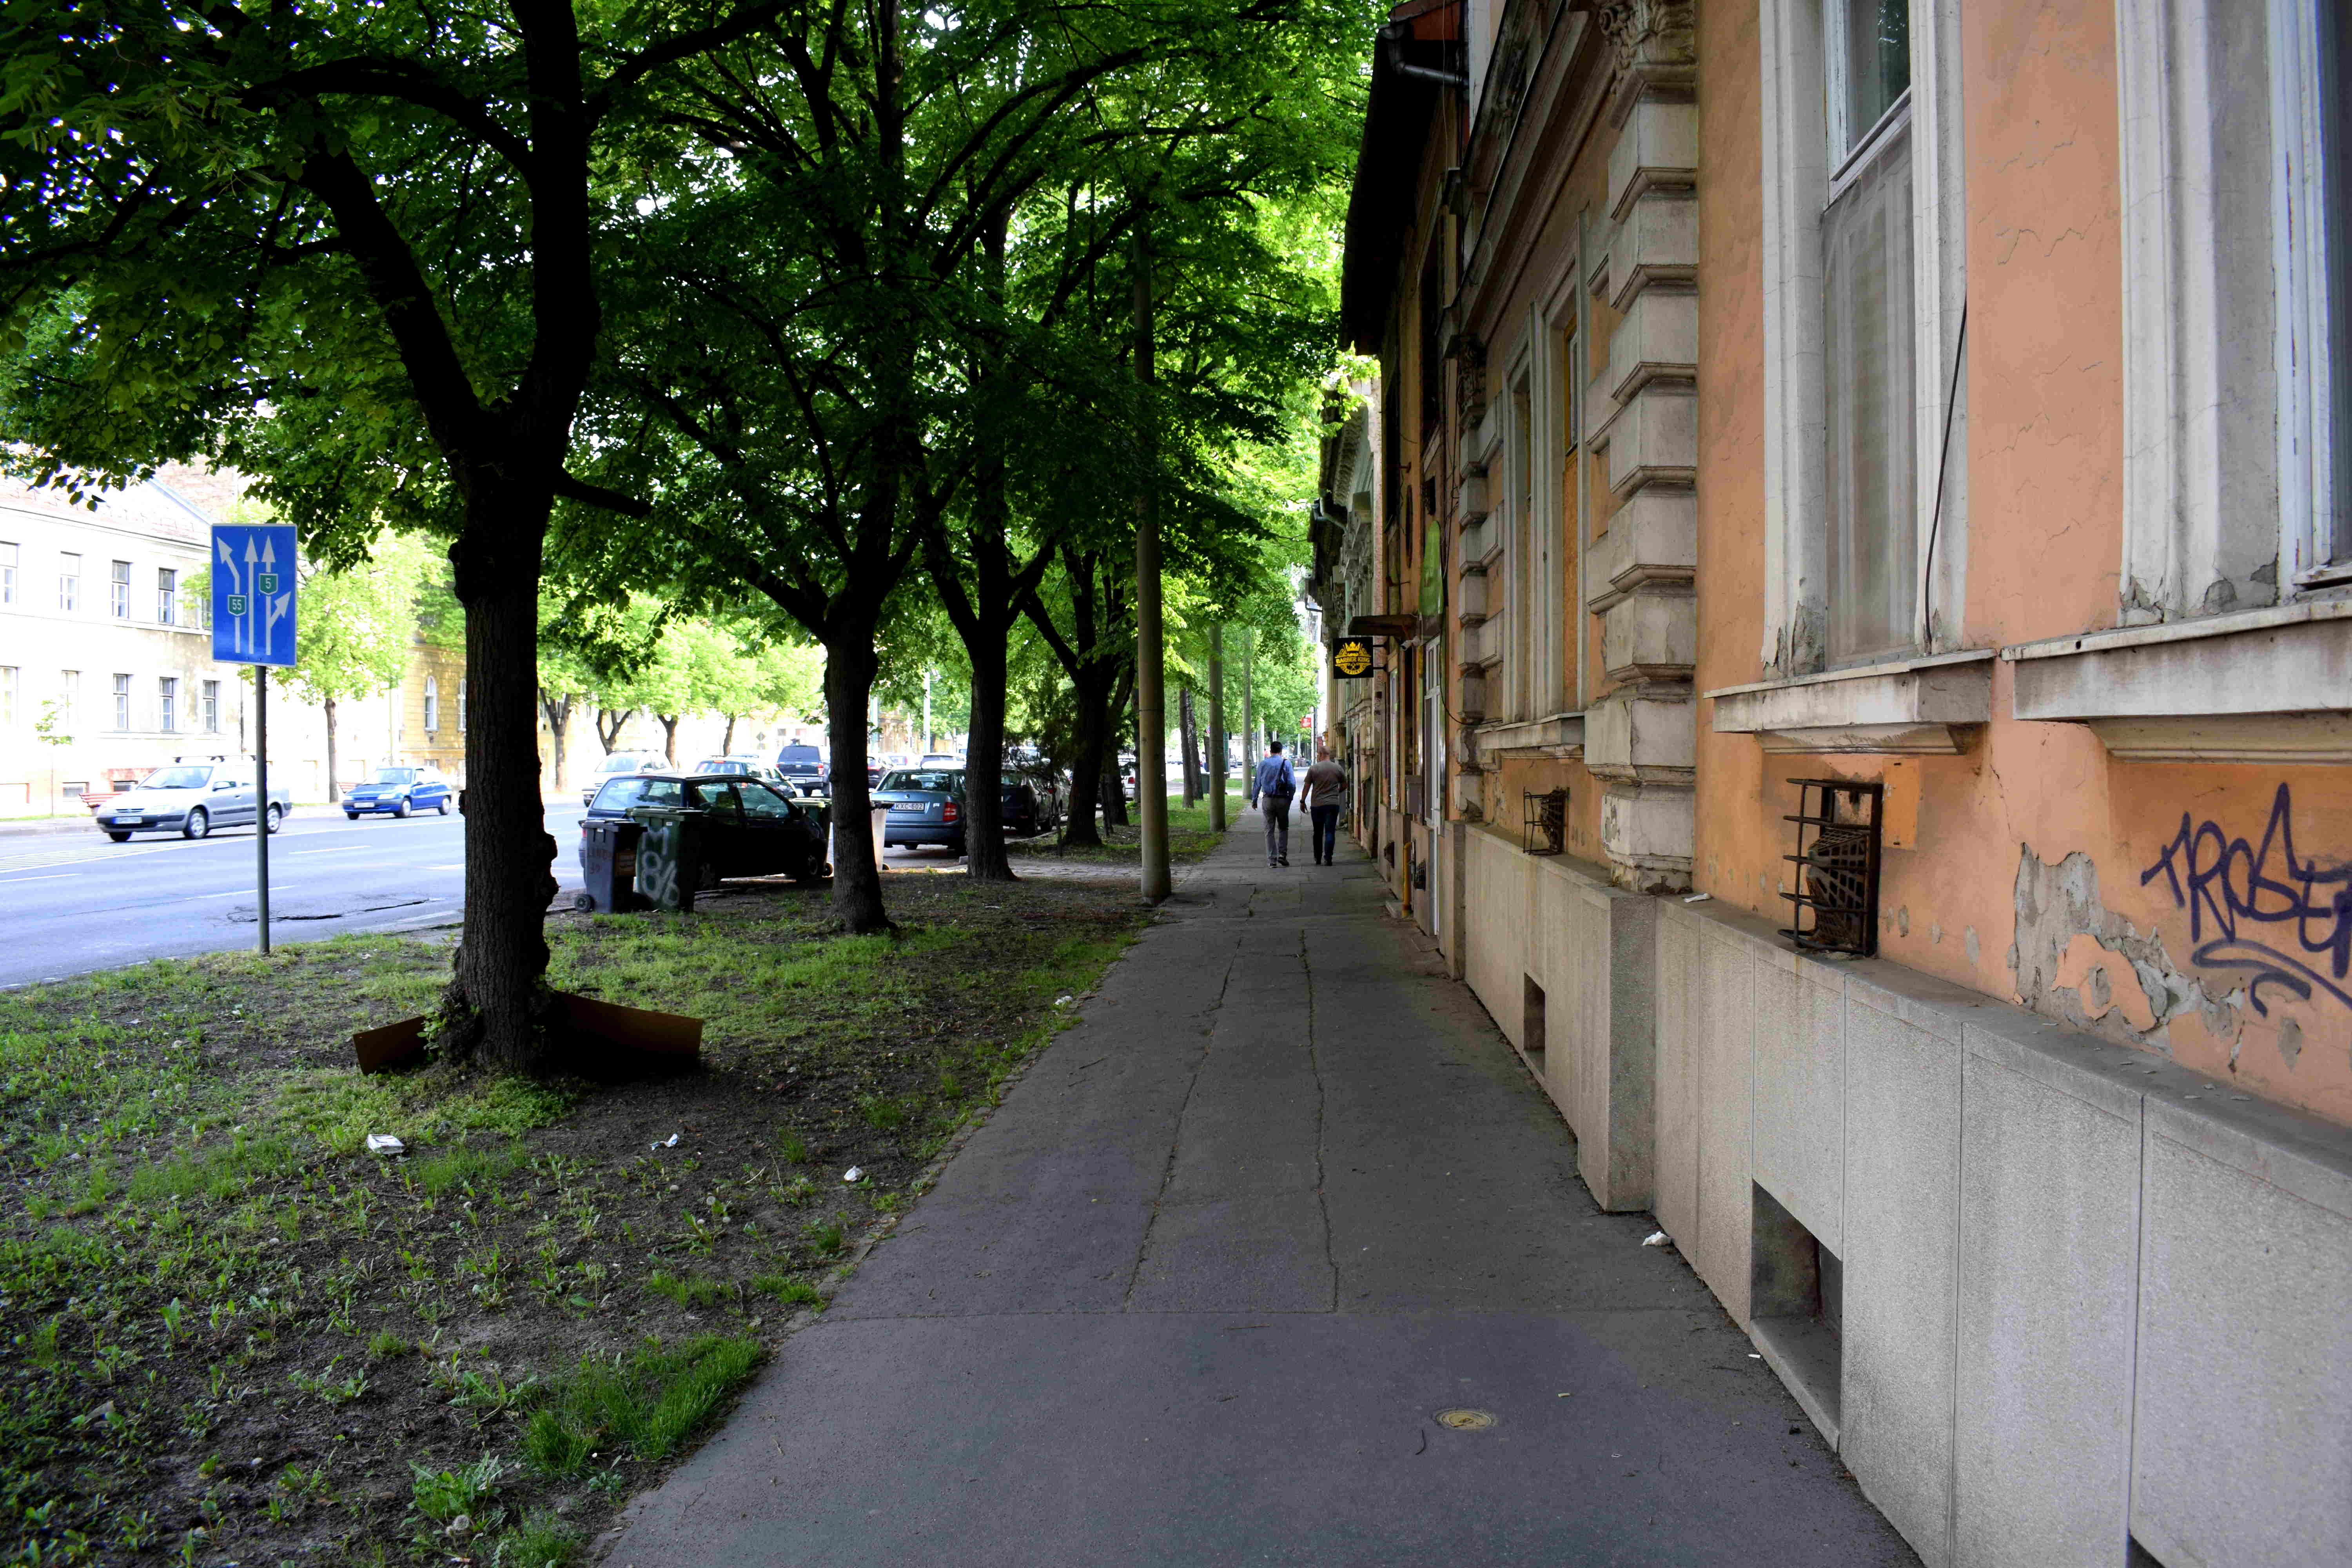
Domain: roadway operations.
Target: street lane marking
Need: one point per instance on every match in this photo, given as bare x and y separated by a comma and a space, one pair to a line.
346, 850
57, 877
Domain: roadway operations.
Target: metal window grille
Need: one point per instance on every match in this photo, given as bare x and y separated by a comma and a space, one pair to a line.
1544, 821
1835, 908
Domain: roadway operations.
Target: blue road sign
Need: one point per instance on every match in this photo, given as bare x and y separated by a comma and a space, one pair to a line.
253, 595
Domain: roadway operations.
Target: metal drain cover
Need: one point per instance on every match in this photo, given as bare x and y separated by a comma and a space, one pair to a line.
1466, 1420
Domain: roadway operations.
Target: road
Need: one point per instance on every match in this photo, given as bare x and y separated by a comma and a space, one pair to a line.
72, 903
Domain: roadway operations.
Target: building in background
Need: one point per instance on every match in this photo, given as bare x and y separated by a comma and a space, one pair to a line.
104, 647
1930, 421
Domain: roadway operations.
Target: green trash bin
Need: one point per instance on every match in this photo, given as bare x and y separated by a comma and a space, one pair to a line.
669, 855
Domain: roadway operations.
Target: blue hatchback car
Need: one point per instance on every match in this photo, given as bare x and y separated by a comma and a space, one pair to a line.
400, 792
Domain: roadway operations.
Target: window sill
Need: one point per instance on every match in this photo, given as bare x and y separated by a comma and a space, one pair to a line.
1908, 707
1561, 735
2270, 686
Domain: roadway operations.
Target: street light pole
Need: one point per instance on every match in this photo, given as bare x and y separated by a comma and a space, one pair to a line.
1150, 673
1217, 726
261, 793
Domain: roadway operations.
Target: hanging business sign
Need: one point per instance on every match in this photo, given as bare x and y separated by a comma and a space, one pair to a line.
1351, 658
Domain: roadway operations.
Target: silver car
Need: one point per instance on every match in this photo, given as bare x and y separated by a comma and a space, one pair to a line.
191, 799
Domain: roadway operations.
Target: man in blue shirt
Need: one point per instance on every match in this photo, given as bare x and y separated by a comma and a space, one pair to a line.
1276, 785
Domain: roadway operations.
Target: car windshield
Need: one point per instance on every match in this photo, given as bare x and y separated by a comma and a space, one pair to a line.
176, 778
619, 794
924, 779
395, 775
619, 763
719, 765
793, 756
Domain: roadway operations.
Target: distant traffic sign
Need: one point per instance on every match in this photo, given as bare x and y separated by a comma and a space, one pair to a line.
253, 594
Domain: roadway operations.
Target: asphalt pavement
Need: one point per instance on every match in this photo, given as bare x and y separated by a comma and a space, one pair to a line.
70, 902
1277, 1256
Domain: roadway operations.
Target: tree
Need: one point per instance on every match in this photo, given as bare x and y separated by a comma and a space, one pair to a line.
361, 253
51, 727
357, 627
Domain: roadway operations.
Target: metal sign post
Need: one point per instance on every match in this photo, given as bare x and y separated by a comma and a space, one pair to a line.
252, 622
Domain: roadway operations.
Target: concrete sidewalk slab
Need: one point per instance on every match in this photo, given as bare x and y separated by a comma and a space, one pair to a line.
1200, 1290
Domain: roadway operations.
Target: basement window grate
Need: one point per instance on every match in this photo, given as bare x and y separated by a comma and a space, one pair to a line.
1835, 908
1543, 818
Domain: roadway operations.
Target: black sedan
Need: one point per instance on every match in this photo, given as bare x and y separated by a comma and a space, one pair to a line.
748, 829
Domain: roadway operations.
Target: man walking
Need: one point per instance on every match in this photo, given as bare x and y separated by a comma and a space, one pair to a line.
1274, 784
1327, 795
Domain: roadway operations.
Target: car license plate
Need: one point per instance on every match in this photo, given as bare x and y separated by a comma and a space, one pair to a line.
129, 821
903, 806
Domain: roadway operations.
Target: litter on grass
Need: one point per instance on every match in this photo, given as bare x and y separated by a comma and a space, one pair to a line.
668, 1143
854, 1175
385, 1143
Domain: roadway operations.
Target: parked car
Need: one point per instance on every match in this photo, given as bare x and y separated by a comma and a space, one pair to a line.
803, 768
751, 828
742, 767
191, 799
926, 807
939, 760
1028, 807
620, 765
402, 791
1126, 776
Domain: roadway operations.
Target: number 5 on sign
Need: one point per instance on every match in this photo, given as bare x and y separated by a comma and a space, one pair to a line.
253, 594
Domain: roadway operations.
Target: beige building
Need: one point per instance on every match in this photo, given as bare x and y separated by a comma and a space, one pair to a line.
106, 666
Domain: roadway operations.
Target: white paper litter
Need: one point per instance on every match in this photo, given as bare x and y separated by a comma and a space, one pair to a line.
385, 1143
1657, 1238
668, 1143
855, 1173
1061, 1001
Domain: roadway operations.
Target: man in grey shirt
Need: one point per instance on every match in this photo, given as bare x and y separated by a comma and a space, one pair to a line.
1327, 797
1275, 785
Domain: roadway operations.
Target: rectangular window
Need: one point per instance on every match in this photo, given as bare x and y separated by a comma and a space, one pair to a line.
461, 706
69, 582
212, 707
167, 596
119, 591
8, 573
167, 704
2336, 160
1526, 572
1867, 344
432, 705
7, 694
69, 699
122, 702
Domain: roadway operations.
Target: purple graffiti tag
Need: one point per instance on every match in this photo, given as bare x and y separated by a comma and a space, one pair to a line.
2234, 887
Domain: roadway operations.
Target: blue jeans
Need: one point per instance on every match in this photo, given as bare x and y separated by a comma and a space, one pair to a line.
1276, 811
1326, 832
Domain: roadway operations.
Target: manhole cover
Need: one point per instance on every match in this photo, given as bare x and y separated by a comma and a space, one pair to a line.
1466, 1420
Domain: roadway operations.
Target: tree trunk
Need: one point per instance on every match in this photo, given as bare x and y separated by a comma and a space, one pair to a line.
1115, 813
610, 733
1249, 735
849, 670
559, 717
334, 786
727, 745
495, 1004
983, 767
1186, 750
1217, 728
1087, 767
669, 721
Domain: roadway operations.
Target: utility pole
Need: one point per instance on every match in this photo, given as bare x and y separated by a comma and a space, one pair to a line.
1217, 726
1151, 671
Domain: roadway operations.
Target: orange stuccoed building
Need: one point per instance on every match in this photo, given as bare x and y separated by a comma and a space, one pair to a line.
1853, 527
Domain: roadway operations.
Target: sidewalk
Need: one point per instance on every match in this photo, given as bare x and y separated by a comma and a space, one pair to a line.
1199, 1291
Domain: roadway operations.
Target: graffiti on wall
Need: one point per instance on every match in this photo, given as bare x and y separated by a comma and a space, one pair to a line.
2261, 908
